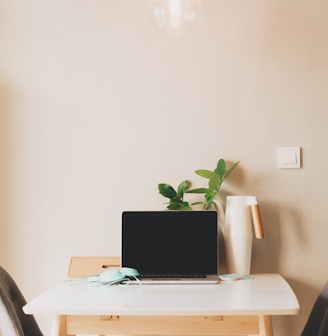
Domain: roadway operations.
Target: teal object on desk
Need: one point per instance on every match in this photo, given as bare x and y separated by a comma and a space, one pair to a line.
111, 277
233, 277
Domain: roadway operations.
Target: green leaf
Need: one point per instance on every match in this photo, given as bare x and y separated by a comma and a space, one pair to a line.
185, 206
182, 188
210, 197
173, 206
220, 169
166, 190
214, 182
204, 173
179, 206
175, 199
196, 203
198, 191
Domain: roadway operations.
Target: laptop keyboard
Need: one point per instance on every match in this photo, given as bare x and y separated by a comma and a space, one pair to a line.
172, 276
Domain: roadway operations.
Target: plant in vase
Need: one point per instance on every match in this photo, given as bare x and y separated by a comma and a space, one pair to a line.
176, 201
215, 180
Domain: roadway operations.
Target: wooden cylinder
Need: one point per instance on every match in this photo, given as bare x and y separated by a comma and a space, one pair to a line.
257, 222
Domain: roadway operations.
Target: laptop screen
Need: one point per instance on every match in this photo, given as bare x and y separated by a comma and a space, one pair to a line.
182, 243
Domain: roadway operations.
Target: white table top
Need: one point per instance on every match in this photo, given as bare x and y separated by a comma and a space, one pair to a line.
264, 294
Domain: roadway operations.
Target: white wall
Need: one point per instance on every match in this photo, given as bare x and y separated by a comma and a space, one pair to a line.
97, 108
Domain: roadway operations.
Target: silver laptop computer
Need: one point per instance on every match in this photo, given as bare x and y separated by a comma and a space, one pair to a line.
171, 246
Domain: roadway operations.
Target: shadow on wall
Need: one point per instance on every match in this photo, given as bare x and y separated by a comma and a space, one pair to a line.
5, 169
268, 253
267, 257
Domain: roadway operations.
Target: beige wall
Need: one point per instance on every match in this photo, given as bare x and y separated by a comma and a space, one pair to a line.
96, 108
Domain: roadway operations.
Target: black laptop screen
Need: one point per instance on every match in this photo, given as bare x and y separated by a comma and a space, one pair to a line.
170, 242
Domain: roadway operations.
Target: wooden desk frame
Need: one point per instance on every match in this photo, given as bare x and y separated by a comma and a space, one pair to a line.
163, 325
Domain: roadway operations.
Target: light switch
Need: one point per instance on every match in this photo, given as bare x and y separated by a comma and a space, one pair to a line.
289, 157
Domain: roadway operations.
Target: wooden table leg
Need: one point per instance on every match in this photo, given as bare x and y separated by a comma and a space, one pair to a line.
59, 326
265, 325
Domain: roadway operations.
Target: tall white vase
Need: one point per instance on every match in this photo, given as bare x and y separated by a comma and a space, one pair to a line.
238, 233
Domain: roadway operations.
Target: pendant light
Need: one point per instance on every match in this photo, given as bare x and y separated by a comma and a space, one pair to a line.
175, 17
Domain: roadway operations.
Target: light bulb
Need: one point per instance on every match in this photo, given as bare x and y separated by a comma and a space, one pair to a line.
174, 17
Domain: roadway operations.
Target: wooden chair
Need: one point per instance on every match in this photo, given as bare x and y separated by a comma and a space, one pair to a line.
317, 323
81, 267
13, 321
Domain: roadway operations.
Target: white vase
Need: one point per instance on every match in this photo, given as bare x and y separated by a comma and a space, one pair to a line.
238, 233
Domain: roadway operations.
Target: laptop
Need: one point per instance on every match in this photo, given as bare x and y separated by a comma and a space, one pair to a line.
171, 246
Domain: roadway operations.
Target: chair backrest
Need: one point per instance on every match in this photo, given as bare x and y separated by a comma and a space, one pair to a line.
81, 267
13, 321
317, 323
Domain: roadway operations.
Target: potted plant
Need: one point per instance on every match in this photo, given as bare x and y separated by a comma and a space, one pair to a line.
215, 179
176, 201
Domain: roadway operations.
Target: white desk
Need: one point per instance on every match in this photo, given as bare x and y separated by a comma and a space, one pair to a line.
242, 307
